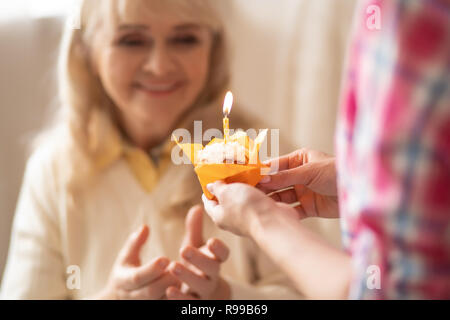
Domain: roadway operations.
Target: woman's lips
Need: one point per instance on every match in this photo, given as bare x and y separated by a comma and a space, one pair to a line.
158, 89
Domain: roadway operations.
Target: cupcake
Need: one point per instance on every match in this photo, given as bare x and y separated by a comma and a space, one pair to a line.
237, 160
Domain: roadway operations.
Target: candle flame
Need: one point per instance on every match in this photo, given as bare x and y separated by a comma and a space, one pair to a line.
228, 103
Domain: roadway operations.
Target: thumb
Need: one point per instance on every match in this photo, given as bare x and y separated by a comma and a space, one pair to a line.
217, 188
130, 251
194, 227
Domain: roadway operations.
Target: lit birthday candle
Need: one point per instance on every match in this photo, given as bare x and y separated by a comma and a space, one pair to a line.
227, 105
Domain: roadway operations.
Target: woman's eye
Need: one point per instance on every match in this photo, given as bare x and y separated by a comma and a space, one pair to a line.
188, 40
131, 41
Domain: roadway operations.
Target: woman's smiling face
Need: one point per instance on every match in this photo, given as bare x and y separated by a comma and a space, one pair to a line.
153, 67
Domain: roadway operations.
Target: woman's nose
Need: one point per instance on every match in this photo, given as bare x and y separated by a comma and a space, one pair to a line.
159, 61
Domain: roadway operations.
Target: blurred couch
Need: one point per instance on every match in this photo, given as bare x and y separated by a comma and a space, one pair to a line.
287, 62
27, 89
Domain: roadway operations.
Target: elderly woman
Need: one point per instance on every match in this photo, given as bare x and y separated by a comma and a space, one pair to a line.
102, 175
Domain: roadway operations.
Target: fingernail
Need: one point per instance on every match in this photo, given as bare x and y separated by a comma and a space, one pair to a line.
210, 187
177, 270
212, 244
266, 179
138, 232
163, 263
188, 253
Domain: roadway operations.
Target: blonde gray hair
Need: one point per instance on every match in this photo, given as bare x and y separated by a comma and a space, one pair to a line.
86, 110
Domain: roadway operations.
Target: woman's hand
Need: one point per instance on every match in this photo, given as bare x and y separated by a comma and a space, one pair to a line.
240, 208
131, 280
311, 178
200, 267
304, 176
275, 227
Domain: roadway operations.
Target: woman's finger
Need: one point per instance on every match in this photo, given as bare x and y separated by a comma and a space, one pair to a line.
316, 205
288, 196
304, 175
130, 251
213, 209
208, 265
219, 189
199, 284
194, 227
301, 212
219, 249
133, 278
209, 204
155, 290
288, 161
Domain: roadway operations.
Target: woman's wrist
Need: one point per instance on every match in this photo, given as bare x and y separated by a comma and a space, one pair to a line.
260, 220
266, 225
279, 234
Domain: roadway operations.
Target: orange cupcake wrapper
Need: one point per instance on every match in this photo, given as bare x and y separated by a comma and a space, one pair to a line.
249, 173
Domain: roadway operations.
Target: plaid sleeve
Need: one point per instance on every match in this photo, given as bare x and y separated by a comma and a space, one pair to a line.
393, 151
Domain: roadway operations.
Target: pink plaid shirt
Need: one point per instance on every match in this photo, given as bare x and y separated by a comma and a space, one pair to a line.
393, 152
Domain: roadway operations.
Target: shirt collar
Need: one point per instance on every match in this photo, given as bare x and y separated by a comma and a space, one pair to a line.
108, 145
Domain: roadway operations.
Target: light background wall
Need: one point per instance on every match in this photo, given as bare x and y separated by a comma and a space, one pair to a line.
288, 63
27, 55
288, 56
